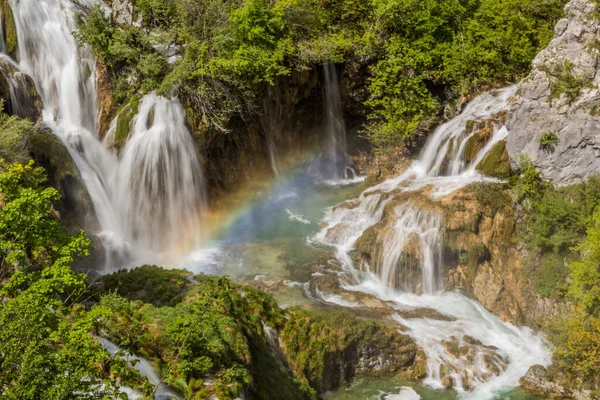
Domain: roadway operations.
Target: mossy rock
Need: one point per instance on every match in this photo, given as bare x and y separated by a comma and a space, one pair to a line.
9, 28
28, 103
76, 206
124, 124
477, 142
4, 90
329, 349
496, 162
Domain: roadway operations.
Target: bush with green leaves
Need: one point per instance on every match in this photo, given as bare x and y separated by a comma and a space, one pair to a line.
547, 140
420, 53
47, 344
216, 333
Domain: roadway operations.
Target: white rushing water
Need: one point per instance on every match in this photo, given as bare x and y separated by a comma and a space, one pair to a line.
147, 200
493, 355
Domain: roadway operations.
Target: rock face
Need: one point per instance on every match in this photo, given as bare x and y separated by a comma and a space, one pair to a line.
330, 349
561, 97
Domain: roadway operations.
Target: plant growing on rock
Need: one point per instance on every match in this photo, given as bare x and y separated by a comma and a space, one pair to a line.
548, 140
564, 83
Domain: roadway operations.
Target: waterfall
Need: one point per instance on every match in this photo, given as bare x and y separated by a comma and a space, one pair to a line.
149, 199
344, 225
491, 355
337, 166
159, 184
421, 232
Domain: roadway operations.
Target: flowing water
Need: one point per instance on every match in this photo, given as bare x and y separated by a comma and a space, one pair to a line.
493, 355
147, 199
335, 127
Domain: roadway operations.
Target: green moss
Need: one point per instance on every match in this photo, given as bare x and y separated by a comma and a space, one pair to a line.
125, 123
496, 162
317, 343
476, 255
476, 143
9, 28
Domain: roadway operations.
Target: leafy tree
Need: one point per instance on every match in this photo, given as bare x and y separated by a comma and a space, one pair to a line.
585, 274
46, 347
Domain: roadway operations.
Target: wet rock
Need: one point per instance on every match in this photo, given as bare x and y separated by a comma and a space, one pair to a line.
478, 141
496, 163
18, 92
448, 382
106, 103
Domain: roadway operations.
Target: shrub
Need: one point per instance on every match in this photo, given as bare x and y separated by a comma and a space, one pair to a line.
547, 140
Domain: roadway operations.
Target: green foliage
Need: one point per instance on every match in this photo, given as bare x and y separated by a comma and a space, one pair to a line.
556, 222
13, 132
31, 236
216, 333
126, 49
419, 52
157, 13
317, 341
585, 274
577, 340
548, 140
559, 218
47, 350
460, 46
149, 284
529, 185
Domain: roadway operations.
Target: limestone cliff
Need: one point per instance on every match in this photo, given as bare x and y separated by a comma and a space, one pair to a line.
555, 119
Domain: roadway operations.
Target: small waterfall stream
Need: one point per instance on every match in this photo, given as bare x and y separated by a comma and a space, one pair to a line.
335, 127
493, 355
147, 200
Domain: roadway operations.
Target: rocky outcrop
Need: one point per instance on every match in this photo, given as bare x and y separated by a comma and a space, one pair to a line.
76, 207
330, 349
555, 119
539, 382
18, 92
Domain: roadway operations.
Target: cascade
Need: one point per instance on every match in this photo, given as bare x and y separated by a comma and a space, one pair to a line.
335, 126
421, 232
147, 200
498, 354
